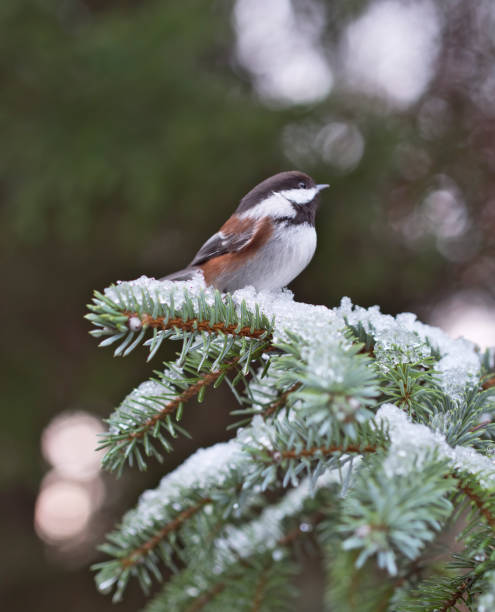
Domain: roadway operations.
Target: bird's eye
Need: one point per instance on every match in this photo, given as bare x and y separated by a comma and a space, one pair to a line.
302, 185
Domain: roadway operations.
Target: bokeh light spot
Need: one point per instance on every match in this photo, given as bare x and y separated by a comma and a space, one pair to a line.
445, 213
283, 53
469, 314
68, 444
72, 490
390, 50
62, 511
339, 144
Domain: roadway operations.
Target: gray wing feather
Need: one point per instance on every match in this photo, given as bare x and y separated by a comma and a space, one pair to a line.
220, 244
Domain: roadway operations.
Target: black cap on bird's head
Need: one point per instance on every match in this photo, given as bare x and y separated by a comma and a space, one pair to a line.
296, 187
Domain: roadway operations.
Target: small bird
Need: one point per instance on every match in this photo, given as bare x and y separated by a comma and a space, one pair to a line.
267, 242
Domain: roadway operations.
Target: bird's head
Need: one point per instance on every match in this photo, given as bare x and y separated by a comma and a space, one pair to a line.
280, 196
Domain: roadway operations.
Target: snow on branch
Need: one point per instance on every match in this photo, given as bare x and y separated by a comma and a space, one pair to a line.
370, 427
126, 311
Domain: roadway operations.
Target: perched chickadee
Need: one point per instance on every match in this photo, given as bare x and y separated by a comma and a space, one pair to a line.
267, 242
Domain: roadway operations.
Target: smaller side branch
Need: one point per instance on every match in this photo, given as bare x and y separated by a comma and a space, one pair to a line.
204, 599
136, 555
480, 426
218, 588
192, 391
260, 591
281, 401
459, 594
479, 503
322, 450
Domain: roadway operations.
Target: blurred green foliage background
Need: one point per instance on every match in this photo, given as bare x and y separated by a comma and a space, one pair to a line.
130, 130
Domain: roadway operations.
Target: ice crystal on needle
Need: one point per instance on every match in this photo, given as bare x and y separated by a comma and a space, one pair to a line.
204, 471
405, 339
409, 440
206, 468
265, 532
419, 441
314, 324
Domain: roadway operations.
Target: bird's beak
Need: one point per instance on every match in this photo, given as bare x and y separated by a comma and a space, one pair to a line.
321, 187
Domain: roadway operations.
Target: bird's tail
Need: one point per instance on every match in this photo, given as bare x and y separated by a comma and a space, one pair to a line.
182, 275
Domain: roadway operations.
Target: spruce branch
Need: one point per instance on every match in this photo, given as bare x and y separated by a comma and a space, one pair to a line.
126, 313
483, 500
463, 588
439, 593
293, 449
261, 567
266, 397
151, 413
465, 421
359, 334
205, 381
281, 401
260, 591
321, 384
204, 599
319, 451
123, 444
191, 325
137, 554
462, 578
179, 514
141, 560
368, 426
137, 548
408, 385
374, 526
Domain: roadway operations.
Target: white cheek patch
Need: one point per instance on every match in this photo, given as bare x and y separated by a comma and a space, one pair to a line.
300, 196
275, 206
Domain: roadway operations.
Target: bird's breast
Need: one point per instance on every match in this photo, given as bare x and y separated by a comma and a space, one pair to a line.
293, 246
286, 253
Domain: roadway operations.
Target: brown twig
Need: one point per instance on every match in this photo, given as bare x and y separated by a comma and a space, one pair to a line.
135, 556
193, 390
479, 503
465, 585
480, 426
323, 450
490, 519
489, 383
260, 590
274, 406
195, 325
205, 598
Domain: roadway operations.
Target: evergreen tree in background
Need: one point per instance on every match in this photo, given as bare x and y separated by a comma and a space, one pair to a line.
362, 440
